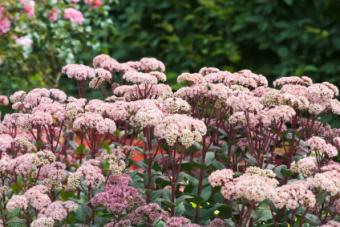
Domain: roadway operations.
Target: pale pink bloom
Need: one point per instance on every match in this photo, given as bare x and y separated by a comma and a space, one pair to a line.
335, 106
305, 166
5, 25
118, 111
331, 223
24, 164
328, 181
216, 94
94, 121
17, 96
293, 195
295, 89
97, 106
79, 72
220, 177
217, 77
130, 66
91, 174
55, 109
316, 109
40, 118
274, 98
304, 80
54, 171
177, 221
331, 165
24, 41
319, 145
243, 119
176, 105
244, 102
181, 128
148, 117
5, 142
336, 142
251, 187
74, 107
208, 70
73, 15
58, 95
332, 87
3, 100
190, 78
106, 62
159, 75
151, 64
262, 91
23, 144
101, 76
17, 201
94, 3
277, 114
258, 78
139, 78
38, 200
5, 164
321, 93
55, 210
70, 206
35, 96
28, 7
143, 91
151, 211
54, 14
254, 170
43, 222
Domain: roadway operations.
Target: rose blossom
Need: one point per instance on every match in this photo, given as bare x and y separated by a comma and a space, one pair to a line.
73, 15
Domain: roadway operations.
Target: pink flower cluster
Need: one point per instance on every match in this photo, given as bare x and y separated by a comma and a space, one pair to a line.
255, 185
5, 23
73, 15
321, 147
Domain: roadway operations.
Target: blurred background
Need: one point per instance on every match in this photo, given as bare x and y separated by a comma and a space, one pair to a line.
271, 37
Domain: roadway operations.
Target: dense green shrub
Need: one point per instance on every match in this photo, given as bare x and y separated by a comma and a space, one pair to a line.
54, 43
270, 37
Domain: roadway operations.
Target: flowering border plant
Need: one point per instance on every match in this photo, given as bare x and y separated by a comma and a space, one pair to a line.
224, 150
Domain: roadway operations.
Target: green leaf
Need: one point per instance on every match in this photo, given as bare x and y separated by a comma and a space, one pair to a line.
289, 2
321, 197
81, 150
82, 212
206, 193
312, 219
209, 157
180, 208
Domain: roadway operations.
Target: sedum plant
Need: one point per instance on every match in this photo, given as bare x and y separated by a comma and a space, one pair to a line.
226, 149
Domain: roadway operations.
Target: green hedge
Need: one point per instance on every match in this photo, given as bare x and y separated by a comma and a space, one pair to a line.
272, 37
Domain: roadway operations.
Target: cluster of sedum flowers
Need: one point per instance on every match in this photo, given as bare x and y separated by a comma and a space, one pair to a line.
39, 141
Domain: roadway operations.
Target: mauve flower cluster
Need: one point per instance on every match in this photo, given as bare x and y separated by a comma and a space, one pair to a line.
118, 196
293, 195
255, 185
146, 155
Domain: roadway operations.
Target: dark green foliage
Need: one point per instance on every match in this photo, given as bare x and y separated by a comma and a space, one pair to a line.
274, 37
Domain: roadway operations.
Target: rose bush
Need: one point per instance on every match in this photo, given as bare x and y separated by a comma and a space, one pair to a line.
45, 35
226, 149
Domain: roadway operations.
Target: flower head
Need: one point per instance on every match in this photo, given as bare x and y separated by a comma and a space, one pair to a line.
73, 15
